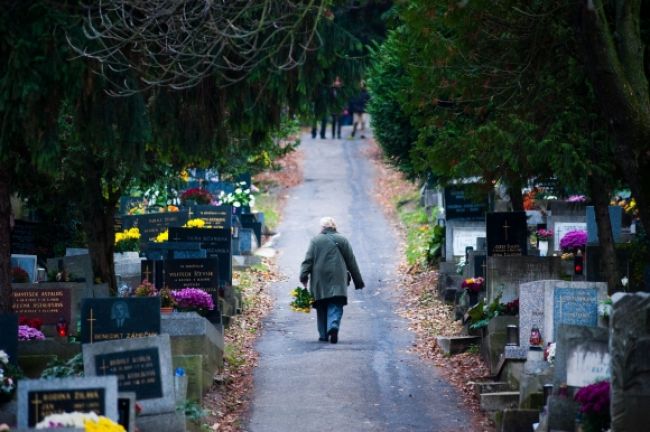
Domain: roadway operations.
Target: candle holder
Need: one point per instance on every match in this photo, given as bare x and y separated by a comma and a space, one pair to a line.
512, 335
62, 327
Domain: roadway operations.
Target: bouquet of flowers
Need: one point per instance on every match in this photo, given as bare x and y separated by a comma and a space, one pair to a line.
594, 406
549, 352
196, 196
162, 237
9, 374
195, 223
18, 275
544, 234
127, 240
145, 289
473, 284
302, 300
89, 422
28, 333
192, 299
573, 240
242, 196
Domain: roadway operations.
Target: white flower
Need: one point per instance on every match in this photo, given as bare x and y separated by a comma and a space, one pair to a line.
74, 419
238, 190
625, 281
236, 204
4, 357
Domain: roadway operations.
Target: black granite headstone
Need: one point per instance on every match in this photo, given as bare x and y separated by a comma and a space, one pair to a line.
45, 402
479, 265
9, 336
174, 250
217, 243
152, 271
507, 234
137, 371
192, 273
105, 319
150, 225
214, 216
250, 221
459, 204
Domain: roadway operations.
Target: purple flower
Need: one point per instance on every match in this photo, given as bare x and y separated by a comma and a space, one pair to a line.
594, 398
28, 333
193, 298
577, 198
574, 240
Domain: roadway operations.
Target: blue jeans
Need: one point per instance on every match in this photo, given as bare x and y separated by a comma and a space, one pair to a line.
328, 317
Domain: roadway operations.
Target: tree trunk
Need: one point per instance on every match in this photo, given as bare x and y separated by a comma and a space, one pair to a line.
615, 65
99, 226
608, 260
516, 196
5, 240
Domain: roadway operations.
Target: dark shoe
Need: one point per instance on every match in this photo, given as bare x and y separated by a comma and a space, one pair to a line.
363, 137
322, 137
334, 335
320, 339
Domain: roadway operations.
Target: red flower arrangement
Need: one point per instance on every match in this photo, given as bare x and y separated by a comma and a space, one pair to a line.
35, 323
473, 284
18, 275
197, 196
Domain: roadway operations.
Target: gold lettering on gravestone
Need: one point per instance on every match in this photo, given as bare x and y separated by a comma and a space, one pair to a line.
38, 301
132, 371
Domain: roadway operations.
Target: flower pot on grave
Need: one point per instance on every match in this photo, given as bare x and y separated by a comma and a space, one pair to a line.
543, 247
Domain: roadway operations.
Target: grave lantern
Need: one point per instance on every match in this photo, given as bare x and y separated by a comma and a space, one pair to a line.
512, 333
535, 337
62, 327
578, 263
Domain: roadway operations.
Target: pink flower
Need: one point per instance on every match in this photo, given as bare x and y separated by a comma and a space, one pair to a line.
193, 298
574, 240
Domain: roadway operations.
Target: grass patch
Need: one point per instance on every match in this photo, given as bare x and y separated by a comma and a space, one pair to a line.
418, 230
268, 204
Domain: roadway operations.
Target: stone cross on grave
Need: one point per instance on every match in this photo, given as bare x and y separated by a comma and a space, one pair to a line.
505, 229
146, 272
91, 320
36, 402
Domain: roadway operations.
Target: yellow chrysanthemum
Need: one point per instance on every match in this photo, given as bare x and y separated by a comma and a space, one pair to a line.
195, 223
104, 424
162, 237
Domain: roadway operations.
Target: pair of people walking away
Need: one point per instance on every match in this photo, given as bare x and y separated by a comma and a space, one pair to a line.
328, 267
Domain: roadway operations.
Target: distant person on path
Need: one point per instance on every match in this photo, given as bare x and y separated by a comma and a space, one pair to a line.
333, 104
358, 109
328, 266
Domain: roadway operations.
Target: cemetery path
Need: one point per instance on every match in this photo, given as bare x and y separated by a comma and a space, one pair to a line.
368, 381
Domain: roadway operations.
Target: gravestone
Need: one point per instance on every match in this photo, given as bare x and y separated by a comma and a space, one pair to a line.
459, 204
9, 336
150, 225
50, 304
546, 304
629, 346
126, 410
596, 272
506, 273
119, 318
174, 250
560, 226
251, 221
153, 271
460, 234
476, 264
581, 355
27, 263
142, 366
217, 243
23, 237
246, 242
507, 234
192, 273
218, 217
39, 398
615, 218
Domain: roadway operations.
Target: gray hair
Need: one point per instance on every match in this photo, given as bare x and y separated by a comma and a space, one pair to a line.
327, 222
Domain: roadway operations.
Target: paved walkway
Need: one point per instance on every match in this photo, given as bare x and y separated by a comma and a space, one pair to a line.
368, 381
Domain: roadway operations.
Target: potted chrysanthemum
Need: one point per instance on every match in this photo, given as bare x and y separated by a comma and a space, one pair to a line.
192, 299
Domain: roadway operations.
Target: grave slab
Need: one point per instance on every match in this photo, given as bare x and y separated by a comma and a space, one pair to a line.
506, 273
581, 355
142, 365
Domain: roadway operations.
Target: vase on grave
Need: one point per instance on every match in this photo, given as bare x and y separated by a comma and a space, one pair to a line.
166, 310
543, 247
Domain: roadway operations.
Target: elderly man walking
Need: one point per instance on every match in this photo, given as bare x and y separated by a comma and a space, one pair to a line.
328, 267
